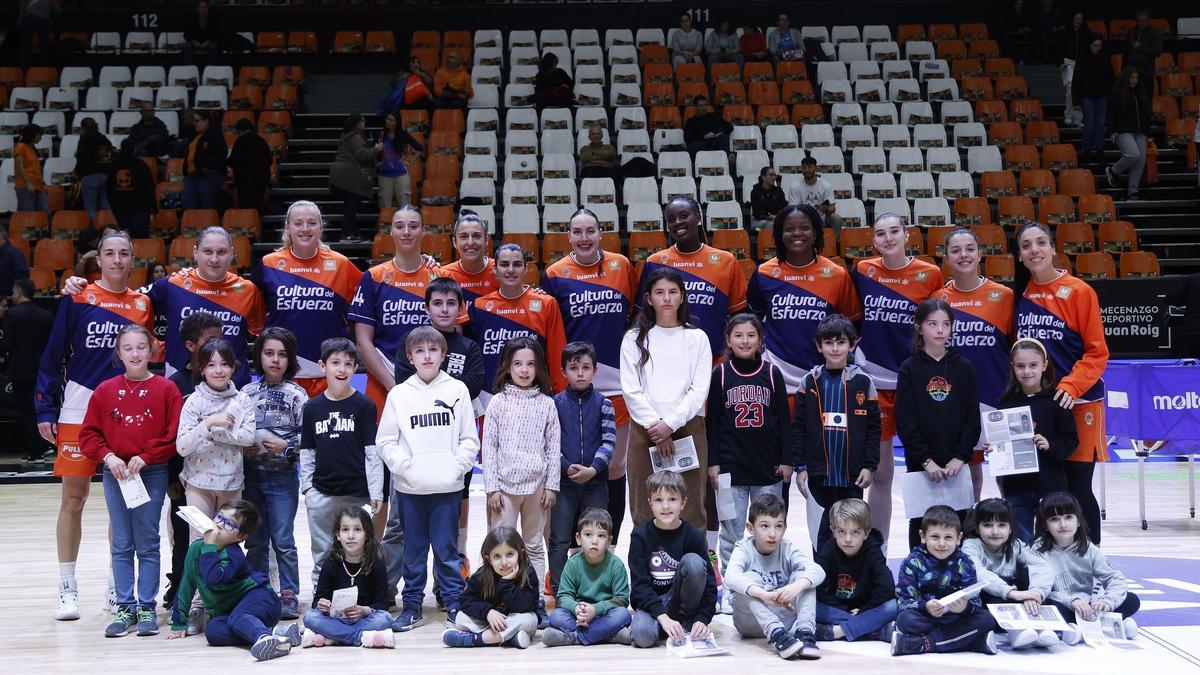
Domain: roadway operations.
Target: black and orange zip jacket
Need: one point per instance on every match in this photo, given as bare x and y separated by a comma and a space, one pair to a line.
863, 425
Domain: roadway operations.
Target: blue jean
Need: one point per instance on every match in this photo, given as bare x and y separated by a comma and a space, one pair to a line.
855, 626
949, 632
573, 499
32, 200
1094, 110
277, 496
95, 193
600, 629
345, 631
1024, 510
736, 58
392, 543
136, 531
681, 603
253, 617
202, 190
431, 521
734, 529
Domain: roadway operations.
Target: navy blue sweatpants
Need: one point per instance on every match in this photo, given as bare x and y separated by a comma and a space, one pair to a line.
253, 617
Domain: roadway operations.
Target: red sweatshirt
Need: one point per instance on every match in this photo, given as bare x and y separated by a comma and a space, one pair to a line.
132, 419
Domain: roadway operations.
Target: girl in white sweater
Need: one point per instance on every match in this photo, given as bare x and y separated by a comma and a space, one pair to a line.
216, 423
521, 450
666, 368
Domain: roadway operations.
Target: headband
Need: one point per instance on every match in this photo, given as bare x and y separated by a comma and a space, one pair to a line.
1040, 346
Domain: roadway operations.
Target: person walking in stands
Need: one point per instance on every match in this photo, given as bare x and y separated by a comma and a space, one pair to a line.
27, 171
395, 184
352, 174
1129, 119
204, 166
250, 159
1090, 86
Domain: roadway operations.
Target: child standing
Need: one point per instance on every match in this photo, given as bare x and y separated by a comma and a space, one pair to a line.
272, 483
748, 423
857, 600
1085, 584
338, 463
587, 423
593, 594
835, 435
242, 607
937, 404
354, 560
1004, 561
499, 604
521, 439
672, 585
215, 425
936, 568
1033, 383
427, 439
773, 583
130, 427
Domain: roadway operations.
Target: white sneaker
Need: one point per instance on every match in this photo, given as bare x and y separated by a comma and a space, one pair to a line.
1131, 628
110, 599
68, 601
1071, 635
1022, 638
1046, 638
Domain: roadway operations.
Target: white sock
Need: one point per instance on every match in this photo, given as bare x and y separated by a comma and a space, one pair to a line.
111, 582
712, 538
66, 571
462, 541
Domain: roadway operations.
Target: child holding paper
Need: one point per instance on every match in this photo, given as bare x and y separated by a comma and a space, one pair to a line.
130, 428
355, 561
935, 569
937, 405
1032, 382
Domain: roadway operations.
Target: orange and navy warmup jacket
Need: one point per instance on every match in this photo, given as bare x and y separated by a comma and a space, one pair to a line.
889, 300
1065, 315
714, 284
233, 300
793, 301
982, 333
393, 302
596, 302
84, 338
495, 320
308, 297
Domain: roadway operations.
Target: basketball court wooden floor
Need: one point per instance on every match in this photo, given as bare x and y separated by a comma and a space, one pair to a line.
1163, 564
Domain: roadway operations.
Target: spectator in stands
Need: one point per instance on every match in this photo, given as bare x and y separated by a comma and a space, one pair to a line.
149, 134
452, 84
785, 44
205, 166
36, 16
93, 157
250, 159
552, 86
1187, 295
1048, 25
412, 89
753, 44
1014, 30
706, 130
131, 191
1143, 44
27, 171
1090, 85
817, 193
187, 131
1076, 42
157, 271
395, 185
686, 43
766, 199
13, 265
597, 159
722, 46
1128, 126
352, 176
202, 33
26, 334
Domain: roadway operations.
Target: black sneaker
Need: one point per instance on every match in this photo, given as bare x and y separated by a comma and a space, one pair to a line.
885, 634
1108, 174
542, 616
985, 644
904, 645
824, 632
786, 645
811, 651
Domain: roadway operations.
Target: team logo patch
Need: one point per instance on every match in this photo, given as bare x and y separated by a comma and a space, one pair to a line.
140, 304
664, 259
921, 276
614, 264
826, 272
330, 265
860, 397
777, 272
1063, 292
91, 298
938, 388
237, 287
566, 272
535, 305
995, 296
280, 264
714, 258
490, 304
871, 271
187, 284
388, 278
1088, 418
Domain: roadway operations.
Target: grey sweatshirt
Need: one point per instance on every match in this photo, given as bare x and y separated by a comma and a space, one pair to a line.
1000, 572
1088, 577
212, 457
748, 567
692, 41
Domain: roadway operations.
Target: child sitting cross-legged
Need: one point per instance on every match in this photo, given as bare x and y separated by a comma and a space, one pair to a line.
936, 568
773, 581
593, 591
857, 600
499, 605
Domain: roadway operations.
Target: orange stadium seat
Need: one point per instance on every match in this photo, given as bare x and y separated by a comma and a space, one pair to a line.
1117, 237
665, 117
281, 97
438, 246
965, 68
181, 251
195, 220
381, 42
445, 120
1055, 209
1011, 87
1003, 134
1041, 133
973, 31
688, 91
292, 76
347, 42
939, 32
1094, 208
689, 72
1095, 265
996, 184
1021, 158
254, 76
992, 240
1139, 264
725, 72
642, 244
999, 67
758, 71
28, 225
1059, 156
1000, 268
67, 224
971, 211
275, 122
270, 42
798, 91
1163, 108
147, 252
787, 71
808, 113
909, 31
990, 112
1014, 210
1074, 238
427, 38
950, 49
1076, 182
54, 254
241, 222
302, 42
658, 73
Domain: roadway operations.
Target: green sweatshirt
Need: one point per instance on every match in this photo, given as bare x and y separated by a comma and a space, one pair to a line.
605, 585
221, 577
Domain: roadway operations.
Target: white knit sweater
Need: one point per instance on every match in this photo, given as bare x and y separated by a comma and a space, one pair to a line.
213, 457
521, 440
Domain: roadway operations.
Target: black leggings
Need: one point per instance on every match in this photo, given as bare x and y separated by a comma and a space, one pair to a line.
827, 496
351, 203
616, 505
1079, 484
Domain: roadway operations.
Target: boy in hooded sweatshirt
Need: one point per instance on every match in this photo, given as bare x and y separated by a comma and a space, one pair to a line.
427, 439
857, 600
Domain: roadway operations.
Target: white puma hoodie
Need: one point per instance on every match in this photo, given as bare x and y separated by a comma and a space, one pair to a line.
427, 435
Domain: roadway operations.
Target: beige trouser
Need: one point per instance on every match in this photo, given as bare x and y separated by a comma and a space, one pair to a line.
534, 518
639, 469
208, 501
